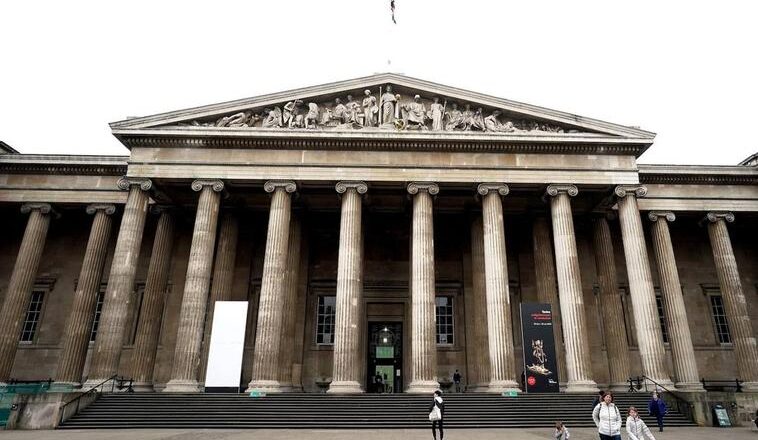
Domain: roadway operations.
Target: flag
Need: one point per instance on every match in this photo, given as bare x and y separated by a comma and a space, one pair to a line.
392, 7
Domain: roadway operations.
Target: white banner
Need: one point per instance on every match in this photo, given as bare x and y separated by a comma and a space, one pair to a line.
227, 343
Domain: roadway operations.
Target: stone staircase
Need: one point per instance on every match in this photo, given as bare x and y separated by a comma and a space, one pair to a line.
322, 411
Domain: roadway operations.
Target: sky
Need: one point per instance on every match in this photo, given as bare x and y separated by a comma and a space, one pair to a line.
686, 70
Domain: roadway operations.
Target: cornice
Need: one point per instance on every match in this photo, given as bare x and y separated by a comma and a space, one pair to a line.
698, 174
63, 164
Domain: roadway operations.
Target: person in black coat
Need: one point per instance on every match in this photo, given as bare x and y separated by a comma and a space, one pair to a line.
439, 403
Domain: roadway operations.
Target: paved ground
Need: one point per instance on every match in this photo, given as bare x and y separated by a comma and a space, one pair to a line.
390, 434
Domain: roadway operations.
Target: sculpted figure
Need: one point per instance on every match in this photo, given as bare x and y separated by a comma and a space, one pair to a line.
291, 112
454, 118
414, 114
353, 110
370, 109
311, 118
241, 119
491, 123
436, 111
272, 118
473, 120
389, 101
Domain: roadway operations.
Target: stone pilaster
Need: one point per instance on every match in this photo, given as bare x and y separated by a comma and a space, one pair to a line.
649, 337
21, 283
194, 302
223, 278
348, 335
547, 286
290, 310
267, 339
616, 345
745, 351
110, 332
578, 367
477, 341
680, 339
79, 323
423, 330
499, 326
153, 299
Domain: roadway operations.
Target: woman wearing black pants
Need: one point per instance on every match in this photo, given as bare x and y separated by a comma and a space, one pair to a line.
437, 414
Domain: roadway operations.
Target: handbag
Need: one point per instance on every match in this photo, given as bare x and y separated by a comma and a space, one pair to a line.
435, 414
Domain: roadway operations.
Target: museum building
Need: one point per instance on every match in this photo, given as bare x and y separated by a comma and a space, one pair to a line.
385, 226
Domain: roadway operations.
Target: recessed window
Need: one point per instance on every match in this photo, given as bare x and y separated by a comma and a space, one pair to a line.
98, 312
33, 314
723, 336
444, 318
325, 320
661, 316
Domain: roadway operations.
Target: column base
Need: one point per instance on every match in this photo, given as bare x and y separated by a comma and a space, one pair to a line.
345, 387
750, 387
423, 387
264, 386
182, 386
619, 387
143, 387
91, 383
666, 383
582, 386
503, 386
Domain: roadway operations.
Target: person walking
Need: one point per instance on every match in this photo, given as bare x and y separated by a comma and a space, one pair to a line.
636, 427
437, 414
607, 418
561, 432
457, 381
379, 383
657, 407
598, 398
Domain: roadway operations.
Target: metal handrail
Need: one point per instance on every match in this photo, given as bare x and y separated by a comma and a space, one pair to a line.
86, 393
736, 383
679, 400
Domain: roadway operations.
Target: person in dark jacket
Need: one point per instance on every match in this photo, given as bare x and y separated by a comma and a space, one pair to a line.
657, 407
598, 398
457, 381
440, 405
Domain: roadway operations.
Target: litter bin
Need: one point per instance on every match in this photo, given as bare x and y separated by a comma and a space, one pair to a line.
721, 417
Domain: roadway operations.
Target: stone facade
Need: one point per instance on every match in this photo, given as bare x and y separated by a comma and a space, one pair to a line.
475, 216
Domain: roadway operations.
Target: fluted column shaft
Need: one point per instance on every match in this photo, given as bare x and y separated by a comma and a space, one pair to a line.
20, 286
680, 338
347, 372
646, 320
547, 286
195, 299
270, 309
745, 351
578, 367
499, 326
616, 345
79, 323
153, 299
110, 331
289, 307
423, 331
477, 340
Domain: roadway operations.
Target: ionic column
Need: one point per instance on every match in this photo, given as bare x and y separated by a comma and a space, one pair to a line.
499, 332
423, 330
195, 299
223, 278
290, 309
547, 286
153, 299
578, 367
22, 280
616, 344
348, 335
680, 339
267, 340
477, 340
649, 337
79, 323
745, 351
110, 332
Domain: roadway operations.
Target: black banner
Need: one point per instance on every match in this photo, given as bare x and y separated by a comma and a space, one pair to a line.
540, 366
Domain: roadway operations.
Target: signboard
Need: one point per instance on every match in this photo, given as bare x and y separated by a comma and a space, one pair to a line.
540, 366
225, 351
721, 417
385, 352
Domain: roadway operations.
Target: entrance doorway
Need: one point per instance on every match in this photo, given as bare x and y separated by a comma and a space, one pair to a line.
385, 357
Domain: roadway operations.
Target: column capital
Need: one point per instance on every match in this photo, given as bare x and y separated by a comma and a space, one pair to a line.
43, 208
343, 186
622, 191
557, 188
430, 187
484, 188
653, 216
107, 208
288, 185
124, 183
215, 184
716, 216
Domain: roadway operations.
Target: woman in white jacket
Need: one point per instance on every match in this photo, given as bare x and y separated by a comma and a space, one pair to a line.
636, 427
607, 419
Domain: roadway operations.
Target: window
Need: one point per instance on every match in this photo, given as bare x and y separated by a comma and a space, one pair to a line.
98, 312
661, 317
135, 311
33, 313
325, 320
626, 308
444, 319
719, 319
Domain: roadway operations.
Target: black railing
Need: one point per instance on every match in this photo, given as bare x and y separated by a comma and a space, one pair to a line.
117, 383
722, 385
638, 383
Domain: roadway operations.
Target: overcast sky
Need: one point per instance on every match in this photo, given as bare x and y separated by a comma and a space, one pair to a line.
685, 70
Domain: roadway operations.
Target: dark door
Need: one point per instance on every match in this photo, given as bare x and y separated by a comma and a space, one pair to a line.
385, 357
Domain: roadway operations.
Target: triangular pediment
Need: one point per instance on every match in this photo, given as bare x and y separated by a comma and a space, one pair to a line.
368, 106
